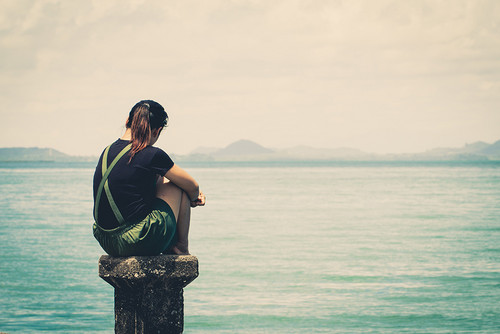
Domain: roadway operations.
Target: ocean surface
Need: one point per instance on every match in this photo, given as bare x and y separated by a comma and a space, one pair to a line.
293, 247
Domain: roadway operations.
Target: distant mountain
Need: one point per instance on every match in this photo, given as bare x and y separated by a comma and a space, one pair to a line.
474, 151
30, 154
245, 150
37, 154
475, 147
491, 150
242, 148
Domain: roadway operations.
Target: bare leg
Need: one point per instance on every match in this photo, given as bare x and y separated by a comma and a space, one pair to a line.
179, 202
183, 223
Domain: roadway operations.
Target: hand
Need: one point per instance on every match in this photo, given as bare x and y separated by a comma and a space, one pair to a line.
200, 201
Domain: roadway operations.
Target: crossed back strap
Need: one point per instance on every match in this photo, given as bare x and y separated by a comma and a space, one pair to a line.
105, 185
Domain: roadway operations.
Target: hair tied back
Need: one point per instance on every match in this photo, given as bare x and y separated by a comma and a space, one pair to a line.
145, 116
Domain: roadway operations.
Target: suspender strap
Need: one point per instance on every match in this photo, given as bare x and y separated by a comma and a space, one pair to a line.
105, 185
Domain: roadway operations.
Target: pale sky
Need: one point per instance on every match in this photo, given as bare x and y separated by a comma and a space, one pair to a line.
383, 76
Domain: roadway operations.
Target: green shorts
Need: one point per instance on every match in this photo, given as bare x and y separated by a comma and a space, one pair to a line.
151, 236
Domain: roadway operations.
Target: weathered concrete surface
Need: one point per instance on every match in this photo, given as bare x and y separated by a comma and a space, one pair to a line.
149, 291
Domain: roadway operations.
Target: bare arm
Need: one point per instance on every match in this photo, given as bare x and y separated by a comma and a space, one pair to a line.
183, 180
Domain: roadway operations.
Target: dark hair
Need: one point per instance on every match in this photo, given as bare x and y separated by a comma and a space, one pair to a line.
145, 116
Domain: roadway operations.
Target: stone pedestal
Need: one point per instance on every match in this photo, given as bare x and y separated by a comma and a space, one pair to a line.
149, 291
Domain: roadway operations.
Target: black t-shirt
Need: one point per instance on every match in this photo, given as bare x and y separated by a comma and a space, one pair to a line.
132, 185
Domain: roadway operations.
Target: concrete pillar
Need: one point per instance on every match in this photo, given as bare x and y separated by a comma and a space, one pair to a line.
149, 291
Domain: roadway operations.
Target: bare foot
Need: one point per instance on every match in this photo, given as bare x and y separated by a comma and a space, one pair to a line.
180, 249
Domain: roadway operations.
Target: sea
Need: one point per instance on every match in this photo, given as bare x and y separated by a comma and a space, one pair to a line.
283, 247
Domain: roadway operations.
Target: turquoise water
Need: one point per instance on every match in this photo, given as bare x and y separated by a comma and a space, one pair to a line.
283, 248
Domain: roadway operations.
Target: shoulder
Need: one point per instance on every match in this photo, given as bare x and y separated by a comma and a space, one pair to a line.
156, 156
117, 146
161, 155
113, 149
154, 151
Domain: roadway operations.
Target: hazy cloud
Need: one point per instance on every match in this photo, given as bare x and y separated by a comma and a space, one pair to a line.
377, 75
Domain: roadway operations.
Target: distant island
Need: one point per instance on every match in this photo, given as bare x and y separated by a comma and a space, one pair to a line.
247, 150
20, 154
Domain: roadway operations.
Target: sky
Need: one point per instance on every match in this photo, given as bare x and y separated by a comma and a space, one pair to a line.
383, 76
